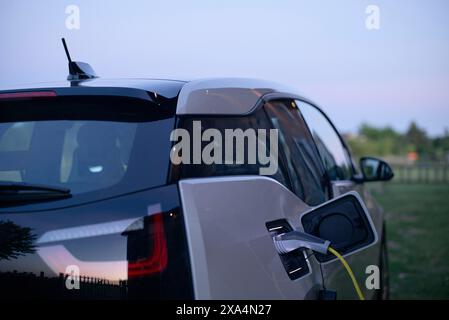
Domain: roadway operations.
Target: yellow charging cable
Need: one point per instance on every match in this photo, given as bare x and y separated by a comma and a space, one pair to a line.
348, 269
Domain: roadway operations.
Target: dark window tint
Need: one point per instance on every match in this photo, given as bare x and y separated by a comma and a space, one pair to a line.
81, 155
306, 173
85, 144
333, 154
252, 123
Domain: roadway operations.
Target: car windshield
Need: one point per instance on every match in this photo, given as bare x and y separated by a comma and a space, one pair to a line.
85, 145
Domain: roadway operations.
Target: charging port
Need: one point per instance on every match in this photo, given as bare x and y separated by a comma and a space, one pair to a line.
294, 262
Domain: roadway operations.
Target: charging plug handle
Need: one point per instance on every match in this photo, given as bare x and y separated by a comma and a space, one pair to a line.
290, 241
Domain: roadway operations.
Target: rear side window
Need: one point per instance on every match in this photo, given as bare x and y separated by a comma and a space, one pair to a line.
256, 120
85, 144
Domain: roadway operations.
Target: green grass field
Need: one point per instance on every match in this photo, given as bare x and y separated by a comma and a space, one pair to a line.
418, 239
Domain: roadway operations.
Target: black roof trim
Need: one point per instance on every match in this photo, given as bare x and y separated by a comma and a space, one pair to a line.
147, 89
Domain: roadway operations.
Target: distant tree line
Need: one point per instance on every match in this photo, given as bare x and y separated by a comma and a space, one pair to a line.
386, 141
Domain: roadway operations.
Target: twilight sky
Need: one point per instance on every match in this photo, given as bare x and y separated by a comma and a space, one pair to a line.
322, 48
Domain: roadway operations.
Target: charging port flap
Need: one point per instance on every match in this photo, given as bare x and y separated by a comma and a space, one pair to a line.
344, 221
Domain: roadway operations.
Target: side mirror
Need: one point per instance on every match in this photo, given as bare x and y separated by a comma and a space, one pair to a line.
374, 169
344, 221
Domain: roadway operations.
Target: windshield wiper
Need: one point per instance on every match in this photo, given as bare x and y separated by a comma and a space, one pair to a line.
18, 192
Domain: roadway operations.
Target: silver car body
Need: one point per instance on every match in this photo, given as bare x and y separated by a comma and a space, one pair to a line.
232, 254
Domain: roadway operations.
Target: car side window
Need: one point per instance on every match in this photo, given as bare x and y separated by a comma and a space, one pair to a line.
302, 161
257, 120
334, 155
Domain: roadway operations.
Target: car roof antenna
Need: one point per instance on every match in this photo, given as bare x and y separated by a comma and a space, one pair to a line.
78, 70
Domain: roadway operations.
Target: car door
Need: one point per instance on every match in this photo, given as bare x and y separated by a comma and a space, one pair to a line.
302, 161
340, 170
231, 214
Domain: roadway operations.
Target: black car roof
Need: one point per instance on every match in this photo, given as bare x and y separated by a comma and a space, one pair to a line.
135, 88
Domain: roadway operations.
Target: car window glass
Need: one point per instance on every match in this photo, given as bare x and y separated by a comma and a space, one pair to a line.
333, 154
95, 147
257, 120
302, 160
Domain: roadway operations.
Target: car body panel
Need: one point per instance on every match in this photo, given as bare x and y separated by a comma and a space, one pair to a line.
106, 240
226, 225
233, 255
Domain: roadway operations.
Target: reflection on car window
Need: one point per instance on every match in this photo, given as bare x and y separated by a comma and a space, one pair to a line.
257, 120
95, 146
303, 162
80, 155
333, 154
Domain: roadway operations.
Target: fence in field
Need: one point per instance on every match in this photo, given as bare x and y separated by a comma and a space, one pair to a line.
42, 286
423, 172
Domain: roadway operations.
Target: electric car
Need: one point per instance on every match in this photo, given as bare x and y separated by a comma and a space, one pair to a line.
93, 205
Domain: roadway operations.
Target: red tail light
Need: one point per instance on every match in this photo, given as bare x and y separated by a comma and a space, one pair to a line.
27, 95
158, 258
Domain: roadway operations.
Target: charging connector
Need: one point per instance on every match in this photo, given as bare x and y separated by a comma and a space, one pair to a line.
287, 242
290, 241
